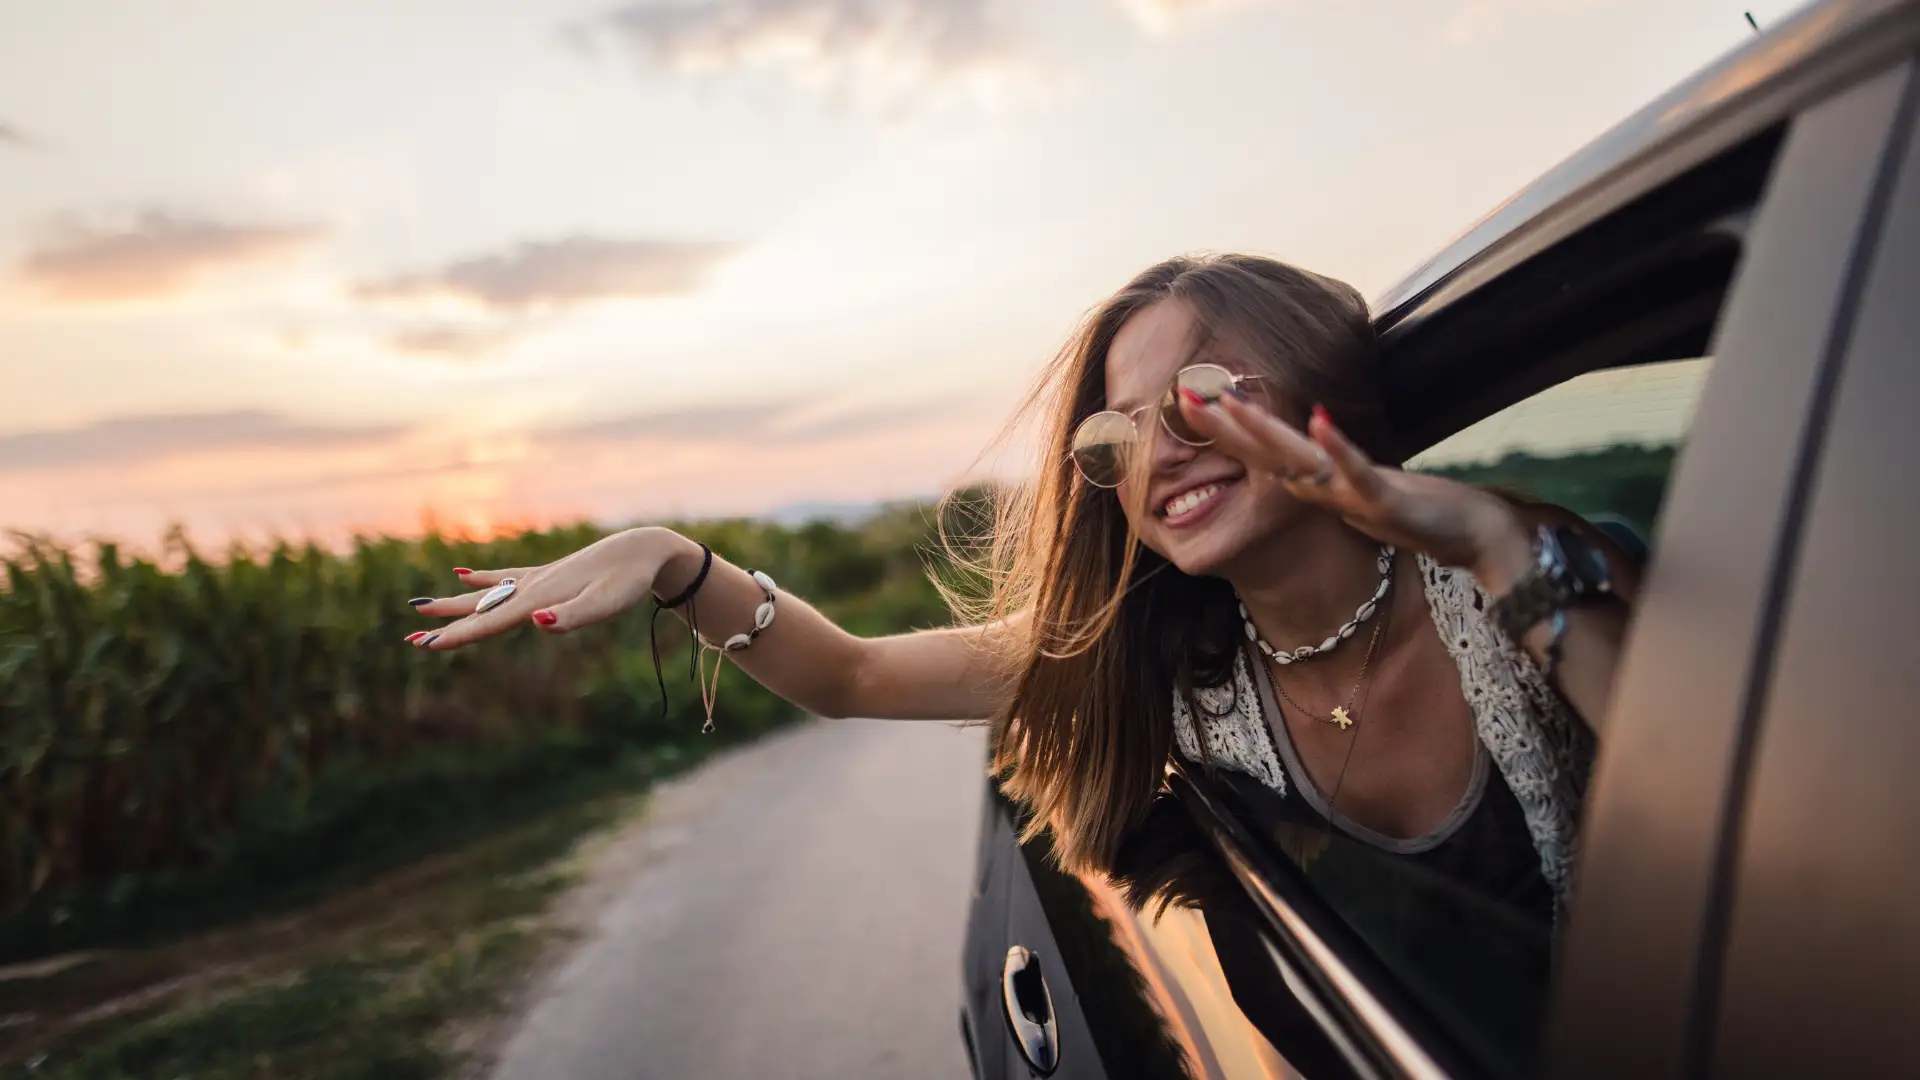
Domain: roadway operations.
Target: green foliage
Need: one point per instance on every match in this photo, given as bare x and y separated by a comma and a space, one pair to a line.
1622, 481
253, 722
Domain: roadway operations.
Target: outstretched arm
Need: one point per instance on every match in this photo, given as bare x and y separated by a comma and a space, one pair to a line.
804, 657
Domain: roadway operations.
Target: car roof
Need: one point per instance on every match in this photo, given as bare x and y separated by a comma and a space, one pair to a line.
1747, 90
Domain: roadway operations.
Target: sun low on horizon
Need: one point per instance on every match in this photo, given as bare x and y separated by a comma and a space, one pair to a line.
315, 269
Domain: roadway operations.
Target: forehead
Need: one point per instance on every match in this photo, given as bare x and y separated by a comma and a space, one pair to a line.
1150, 347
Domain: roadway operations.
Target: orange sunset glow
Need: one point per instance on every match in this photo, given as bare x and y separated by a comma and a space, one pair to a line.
484, 266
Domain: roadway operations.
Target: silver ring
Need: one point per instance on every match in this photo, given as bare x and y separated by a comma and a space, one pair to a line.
495, 596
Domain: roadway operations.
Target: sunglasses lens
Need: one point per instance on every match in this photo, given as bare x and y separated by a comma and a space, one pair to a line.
1100, 446
1210, 381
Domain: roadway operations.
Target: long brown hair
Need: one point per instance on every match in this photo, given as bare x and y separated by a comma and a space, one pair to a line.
1112, 630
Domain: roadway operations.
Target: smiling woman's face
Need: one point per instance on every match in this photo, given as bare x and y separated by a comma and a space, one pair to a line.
1195, 506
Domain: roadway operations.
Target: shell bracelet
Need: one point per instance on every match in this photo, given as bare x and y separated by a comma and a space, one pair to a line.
762, 618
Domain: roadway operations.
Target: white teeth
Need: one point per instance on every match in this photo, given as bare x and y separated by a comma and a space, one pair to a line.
1186, 501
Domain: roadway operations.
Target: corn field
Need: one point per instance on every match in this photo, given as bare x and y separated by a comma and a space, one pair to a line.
148, 705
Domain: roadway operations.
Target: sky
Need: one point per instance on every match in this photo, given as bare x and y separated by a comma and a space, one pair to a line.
311, 268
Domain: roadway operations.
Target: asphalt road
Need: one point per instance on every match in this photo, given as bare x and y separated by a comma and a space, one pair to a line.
794, 909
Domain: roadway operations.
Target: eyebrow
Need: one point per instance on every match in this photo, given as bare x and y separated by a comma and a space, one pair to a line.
1204, 353
1201, 348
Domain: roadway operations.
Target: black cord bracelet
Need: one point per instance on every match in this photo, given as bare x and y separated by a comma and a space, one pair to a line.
684, 596
699, 579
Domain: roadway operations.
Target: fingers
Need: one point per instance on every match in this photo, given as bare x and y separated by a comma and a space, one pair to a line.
487, 579
486, 624
1255, 436
1349, 461
1321, 465
453, 607
1250, 433
449, 607
596, 603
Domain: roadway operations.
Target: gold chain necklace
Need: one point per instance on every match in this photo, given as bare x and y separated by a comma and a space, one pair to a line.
1342, 715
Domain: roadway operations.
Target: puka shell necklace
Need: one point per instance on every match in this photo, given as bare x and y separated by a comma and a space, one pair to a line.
1308, 652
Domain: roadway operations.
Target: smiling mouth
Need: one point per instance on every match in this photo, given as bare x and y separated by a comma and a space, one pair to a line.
1191, 500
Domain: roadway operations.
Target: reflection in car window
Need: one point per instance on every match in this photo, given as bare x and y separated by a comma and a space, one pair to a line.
1194, 935
1478, 964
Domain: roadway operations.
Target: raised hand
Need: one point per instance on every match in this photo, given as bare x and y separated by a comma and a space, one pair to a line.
1453, 523
591, 585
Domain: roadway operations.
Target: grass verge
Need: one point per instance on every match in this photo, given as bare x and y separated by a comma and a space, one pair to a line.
390, 979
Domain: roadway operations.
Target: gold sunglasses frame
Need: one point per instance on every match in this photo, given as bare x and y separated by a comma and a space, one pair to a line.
1167, 401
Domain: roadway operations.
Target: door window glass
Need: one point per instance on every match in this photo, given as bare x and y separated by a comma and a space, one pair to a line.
1600, 444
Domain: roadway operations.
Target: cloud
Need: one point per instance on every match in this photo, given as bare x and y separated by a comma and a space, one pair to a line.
453, 340
1158, 16
155, 253
715, 422
133, 440
764, 423
558, 273
1469, 21
883, 53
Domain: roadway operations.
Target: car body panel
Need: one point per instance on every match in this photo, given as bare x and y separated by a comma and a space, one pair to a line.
1823, 931
1134, 995
1666, 785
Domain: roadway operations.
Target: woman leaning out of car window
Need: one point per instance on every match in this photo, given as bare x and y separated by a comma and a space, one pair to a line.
1216, 557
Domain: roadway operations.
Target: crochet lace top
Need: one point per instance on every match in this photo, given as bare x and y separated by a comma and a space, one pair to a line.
1541, 748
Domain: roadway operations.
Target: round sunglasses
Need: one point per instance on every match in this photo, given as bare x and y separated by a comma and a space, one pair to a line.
1101, 445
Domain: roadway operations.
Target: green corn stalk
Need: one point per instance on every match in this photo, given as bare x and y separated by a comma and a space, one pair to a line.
149, 705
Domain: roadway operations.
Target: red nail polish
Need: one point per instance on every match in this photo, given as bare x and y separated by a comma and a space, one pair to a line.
462, 571
1320, 413
545, 618
418, 634
1193, 397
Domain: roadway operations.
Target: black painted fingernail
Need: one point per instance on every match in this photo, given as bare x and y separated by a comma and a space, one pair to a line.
419, 600
1238, 394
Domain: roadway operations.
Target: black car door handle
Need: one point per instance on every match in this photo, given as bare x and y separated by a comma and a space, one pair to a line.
1030, 1010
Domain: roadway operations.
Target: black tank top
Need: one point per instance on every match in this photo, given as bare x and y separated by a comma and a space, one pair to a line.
1484, 844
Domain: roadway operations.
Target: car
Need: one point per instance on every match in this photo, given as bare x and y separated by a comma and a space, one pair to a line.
1732, 273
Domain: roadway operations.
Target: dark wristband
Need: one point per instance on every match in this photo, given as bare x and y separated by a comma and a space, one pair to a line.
699, 579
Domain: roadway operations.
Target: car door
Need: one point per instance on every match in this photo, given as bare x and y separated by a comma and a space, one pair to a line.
1100, 985
1640, 970
1821, 935
1732, 282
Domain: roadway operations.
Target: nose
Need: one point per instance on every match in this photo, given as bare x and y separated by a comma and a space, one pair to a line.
1169, 453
